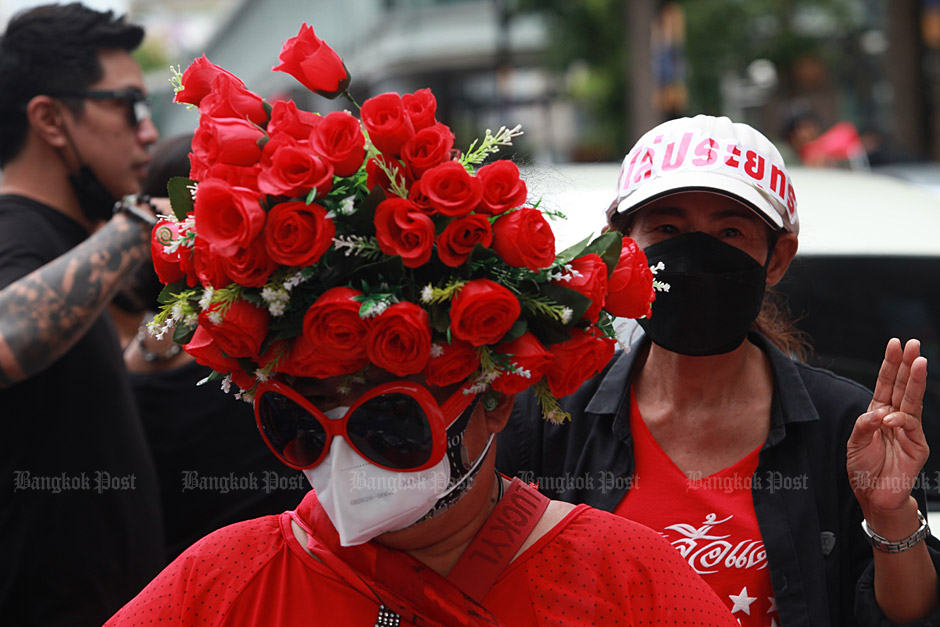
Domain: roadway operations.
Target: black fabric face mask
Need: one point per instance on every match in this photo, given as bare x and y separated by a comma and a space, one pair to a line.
715, 293
96, 201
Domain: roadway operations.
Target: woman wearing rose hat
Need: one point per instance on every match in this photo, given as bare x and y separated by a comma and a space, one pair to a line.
381, 303
707, 431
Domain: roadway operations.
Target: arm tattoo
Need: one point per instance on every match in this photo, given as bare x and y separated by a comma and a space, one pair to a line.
44, 314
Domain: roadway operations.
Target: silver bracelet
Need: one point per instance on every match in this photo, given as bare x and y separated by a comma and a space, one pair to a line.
128, 206
888, 546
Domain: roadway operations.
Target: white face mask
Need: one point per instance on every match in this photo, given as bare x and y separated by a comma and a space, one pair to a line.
363, 500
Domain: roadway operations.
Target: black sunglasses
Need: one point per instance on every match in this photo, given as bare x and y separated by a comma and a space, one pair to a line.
139, 105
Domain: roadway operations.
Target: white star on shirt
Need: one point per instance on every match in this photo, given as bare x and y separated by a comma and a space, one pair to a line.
773, 605
742, 602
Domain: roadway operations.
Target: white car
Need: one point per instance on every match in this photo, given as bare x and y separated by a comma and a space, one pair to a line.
868, 266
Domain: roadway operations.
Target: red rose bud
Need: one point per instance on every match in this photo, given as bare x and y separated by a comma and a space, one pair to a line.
297, 234
197, 81
387, 123
339, 140
630, 286
206, 352
460, 236
503, 188
524, 239
529, 357
238, 329
403, 229
588, 276
210, 266
429, 147
314, 64
452, 363
418, 199
166, 264
333, 325
305, 359
251, 266
230, 99
399, 339
227, 217
421, 107
575, 361
376, 176
286, 118
451, 190
482, 312
289, 169
228, 141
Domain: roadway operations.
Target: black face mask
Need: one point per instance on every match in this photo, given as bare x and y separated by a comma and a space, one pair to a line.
96, 201
715, 293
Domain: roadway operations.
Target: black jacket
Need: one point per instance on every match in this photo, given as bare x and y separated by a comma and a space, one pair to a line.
819, 558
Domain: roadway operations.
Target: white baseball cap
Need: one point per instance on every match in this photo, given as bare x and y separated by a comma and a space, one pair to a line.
710, 154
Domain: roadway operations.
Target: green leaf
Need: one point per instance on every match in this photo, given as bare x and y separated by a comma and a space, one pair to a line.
577, 302
516, 331
183, 334
607, 247
181, 197
572, 252
167, 294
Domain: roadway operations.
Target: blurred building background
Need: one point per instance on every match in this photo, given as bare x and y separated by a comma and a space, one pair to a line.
584, 77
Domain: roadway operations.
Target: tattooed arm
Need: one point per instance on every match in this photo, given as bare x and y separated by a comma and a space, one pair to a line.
44, 314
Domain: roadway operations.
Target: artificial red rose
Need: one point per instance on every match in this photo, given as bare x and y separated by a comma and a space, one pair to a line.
429, 147
289, 169
227, 217
251, 266
630, 286
166, 264
297, 234
421, 107
286, 118
403, 229
523, 239
230, 99
503, 188
305, 359
205, 350
451, 190
529, 357
228, 140
418, 199
333, 325
588, 277
482, 312
376, 175
460, 236
575, 361
234, 175
454, 363
399, 339
387, 123
209, 265
197, 80
339, 140
240, 328
314, 64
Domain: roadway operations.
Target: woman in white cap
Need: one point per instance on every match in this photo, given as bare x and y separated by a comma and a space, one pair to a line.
707, 430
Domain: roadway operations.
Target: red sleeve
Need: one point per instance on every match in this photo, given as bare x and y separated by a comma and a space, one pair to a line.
601, 569
199, 586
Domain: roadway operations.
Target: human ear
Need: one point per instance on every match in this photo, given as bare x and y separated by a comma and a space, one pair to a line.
784, 252
496, 409
44, 116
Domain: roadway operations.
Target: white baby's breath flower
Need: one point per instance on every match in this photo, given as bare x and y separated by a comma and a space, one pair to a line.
206, 298
427, 294
215, 317
176, 313
261, 374
436, 350
566, 314
227, 383
191, 320
347, 206
344, 390
277, 309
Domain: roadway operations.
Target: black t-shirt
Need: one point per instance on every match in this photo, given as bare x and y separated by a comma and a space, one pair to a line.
80, 523
213, 466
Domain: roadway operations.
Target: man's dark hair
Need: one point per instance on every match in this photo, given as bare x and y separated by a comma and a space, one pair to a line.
53, 48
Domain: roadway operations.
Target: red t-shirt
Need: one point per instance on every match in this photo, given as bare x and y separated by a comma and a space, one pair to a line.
710, 520
592, 568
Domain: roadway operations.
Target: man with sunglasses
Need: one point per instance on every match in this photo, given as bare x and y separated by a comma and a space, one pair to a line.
81, 528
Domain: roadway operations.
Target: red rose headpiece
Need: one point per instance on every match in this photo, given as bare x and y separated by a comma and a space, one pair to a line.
314, 246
